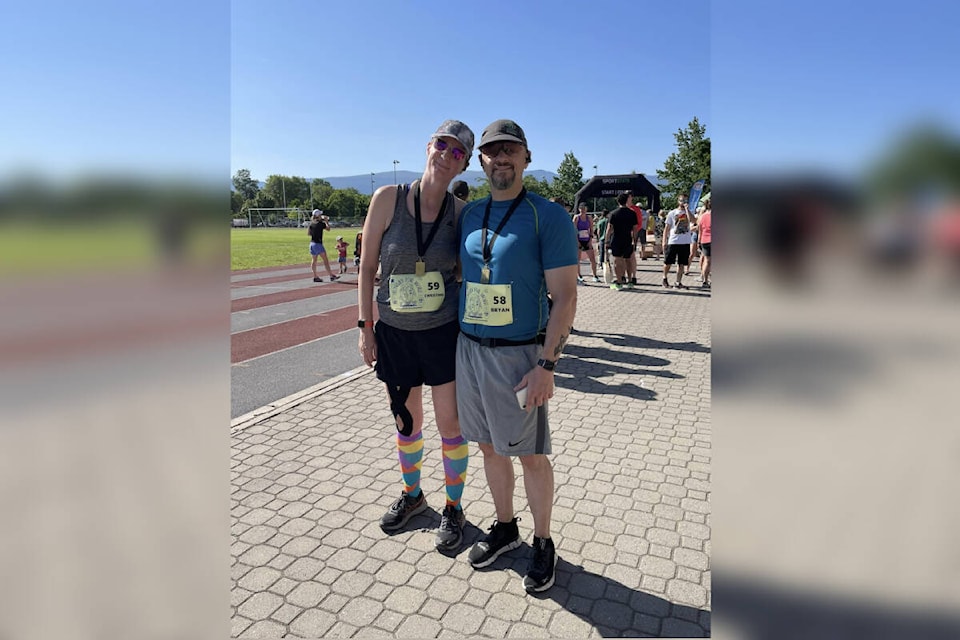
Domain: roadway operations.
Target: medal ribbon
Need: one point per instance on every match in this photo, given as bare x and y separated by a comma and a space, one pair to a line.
421, 245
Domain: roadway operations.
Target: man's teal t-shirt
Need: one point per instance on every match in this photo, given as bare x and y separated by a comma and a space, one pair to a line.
539, 236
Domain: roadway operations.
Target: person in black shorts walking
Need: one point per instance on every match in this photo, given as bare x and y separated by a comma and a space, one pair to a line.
620, 240
318, 225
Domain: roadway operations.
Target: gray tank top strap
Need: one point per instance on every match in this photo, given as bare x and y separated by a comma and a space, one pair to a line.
398, 254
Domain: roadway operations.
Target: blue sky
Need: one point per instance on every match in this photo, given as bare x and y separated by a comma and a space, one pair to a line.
324, 89
331, 89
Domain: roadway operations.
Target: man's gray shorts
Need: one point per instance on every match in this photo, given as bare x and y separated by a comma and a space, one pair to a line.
487, 404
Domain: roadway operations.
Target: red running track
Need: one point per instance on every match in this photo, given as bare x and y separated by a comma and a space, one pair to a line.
253, 343
267, 299
258, 342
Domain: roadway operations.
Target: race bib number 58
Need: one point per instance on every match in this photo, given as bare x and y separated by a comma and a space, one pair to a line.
489, 304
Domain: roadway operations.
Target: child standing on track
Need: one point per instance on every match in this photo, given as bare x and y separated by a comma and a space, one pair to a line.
342, 254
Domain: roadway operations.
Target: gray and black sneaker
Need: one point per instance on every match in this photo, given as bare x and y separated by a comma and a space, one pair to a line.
503, 537
402, 510
543, 566
450, 532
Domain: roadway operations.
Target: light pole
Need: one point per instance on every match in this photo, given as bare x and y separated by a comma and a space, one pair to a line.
395, 163
594, 175
371, 184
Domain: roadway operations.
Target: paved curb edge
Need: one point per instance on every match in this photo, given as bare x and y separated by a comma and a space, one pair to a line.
274, 408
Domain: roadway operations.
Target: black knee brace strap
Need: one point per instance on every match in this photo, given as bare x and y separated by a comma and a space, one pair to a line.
398, 404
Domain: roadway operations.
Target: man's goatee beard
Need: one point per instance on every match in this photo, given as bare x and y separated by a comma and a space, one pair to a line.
502, 181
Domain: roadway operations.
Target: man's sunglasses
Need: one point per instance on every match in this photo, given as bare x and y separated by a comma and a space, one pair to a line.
442, 145
493, 150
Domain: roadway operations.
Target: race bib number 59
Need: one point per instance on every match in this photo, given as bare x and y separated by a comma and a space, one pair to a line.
416, 294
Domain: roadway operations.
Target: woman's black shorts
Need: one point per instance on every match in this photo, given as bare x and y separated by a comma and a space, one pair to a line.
414, 358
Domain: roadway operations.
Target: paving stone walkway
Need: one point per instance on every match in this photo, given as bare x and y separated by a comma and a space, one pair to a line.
631, 437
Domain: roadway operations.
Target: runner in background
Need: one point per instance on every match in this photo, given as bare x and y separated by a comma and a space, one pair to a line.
584, 225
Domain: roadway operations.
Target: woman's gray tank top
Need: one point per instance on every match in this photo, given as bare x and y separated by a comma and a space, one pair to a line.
398, 254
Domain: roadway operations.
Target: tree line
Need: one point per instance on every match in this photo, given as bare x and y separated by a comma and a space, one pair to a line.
689, 163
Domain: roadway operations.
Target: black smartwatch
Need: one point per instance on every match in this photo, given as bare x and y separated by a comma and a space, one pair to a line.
547, 364
364, 323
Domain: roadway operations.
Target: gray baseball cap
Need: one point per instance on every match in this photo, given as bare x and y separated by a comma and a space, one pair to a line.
458, 130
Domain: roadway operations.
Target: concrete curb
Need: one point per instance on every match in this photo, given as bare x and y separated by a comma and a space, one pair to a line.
265, 412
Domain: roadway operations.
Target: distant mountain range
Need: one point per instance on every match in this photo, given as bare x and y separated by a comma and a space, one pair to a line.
362, 182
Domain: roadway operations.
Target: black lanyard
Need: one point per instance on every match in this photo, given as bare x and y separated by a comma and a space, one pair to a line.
488, 249
421, 245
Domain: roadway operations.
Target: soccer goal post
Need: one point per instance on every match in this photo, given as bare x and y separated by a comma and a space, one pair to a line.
277, 216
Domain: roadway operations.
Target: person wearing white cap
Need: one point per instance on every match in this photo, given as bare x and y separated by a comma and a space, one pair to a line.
318, 225
411, 233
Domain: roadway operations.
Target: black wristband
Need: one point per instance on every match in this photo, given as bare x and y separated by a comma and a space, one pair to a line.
547, 364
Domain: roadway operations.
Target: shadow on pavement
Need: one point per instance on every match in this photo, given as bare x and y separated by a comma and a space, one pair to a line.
585, 367
760, 610
612, 608
691, 290
605, 353
636, 342
429, 522
584, 379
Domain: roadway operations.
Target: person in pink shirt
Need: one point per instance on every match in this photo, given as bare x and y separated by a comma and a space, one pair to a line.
704, 240
342, 254
584, 225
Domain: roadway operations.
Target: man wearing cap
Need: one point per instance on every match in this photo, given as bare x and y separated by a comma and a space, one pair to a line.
677, 237
461, 189
514, 247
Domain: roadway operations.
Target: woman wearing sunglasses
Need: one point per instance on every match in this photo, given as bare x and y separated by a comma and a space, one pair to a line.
411, 233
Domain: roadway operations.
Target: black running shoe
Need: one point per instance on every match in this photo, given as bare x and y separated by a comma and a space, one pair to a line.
402, 510
543, 565
318, 279
503, 537
666, 285
450, 533
332, 278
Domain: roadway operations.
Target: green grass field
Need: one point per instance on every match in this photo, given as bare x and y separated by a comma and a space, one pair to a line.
253, 248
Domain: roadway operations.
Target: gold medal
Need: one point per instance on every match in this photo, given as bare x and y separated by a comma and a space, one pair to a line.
421, 267
484, 275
